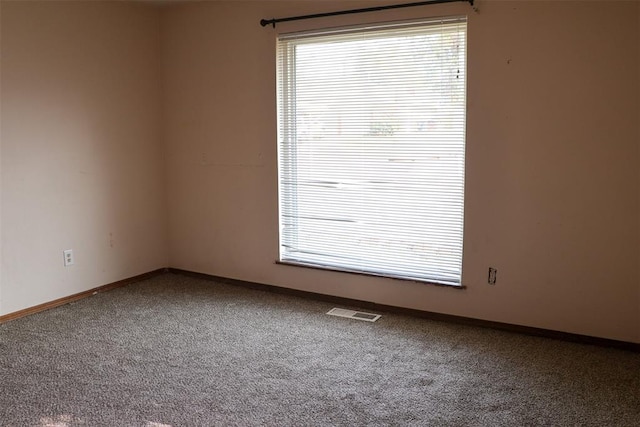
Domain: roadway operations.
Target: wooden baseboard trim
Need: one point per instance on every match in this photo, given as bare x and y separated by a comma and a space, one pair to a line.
526, 330
71, 298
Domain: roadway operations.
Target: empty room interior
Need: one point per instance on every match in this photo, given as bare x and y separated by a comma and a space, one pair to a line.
145, 137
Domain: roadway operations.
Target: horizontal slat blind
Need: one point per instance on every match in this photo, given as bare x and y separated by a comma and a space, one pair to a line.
371, 135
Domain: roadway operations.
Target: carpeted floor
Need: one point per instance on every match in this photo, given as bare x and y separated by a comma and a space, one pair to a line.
180, 351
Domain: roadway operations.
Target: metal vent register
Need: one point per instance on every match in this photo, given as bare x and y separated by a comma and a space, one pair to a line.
351, 314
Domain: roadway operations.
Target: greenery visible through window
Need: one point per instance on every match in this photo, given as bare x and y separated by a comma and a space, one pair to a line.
371, 137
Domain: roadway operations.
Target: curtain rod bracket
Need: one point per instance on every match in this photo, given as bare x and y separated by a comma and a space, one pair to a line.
265, 22
274, 21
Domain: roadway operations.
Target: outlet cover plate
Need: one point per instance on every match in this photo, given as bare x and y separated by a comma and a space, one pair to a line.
68, 257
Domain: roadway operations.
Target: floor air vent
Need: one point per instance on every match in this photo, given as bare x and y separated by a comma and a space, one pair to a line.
358, 315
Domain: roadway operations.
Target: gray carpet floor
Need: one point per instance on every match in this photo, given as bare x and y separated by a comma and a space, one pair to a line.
180, 351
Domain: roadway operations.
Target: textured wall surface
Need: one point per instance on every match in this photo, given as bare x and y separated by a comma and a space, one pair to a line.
82, 164
552, 178
143, 135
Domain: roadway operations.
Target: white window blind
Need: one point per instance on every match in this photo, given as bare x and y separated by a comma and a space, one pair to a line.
371, 137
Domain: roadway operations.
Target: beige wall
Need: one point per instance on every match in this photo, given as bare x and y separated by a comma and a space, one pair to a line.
95, 94
82, 163
552, 159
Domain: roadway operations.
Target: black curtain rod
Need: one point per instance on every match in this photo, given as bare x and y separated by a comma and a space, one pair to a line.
274, 21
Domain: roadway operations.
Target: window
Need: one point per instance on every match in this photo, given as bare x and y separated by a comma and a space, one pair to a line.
371, 137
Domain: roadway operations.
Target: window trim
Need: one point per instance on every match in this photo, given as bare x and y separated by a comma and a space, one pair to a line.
359, 29
369, 274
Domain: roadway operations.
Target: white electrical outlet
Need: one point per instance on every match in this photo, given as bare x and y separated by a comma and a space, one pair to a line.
68, 257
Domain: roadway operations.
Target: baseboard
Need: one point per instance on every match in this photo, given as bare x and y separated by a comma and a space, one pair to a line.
71, 298
526, 330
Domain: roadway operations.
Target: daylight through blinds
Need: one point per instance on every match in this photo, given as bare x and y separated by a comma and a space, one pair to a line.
371, 137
